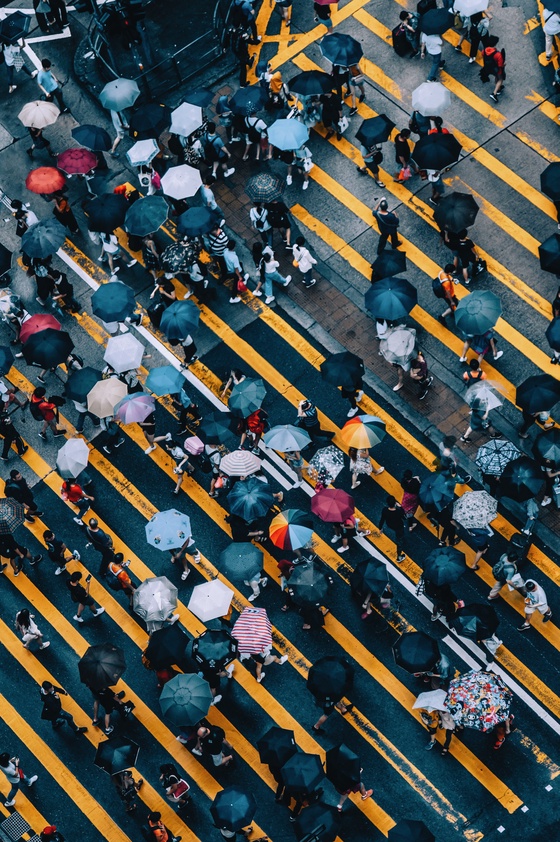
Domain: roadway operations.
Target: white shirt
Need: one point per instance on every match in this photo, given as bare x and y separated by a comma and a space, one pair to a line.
304, 259
433, 43
551, 24
208, 197
536, 597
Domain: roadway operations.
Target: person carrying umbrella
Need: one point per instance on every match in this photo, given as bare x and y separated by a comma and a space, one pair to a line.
466, 255
435, 719
409, 23
394, 516
331, 111
188, 548
360, 463
127, 789
329, 706
39, 141
479, 421
444, 600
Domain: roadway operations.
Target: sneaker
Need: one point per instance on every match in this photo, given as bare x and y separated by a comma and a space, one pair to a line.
216, 700
283, 659
106, 450
297, 484
524, 627
498, 355
45, 645
311, 283
467, 478
494, 97
430, 746
288, 179
472, 60
260, 678
335, 538
229, 669
367, 794
398, 387
360, 395
423, 395
99, 611
36, 559
184, 575
343, 549
253, 597
109, 730
352, 412
173, 619
288, 280
235, 300
264, 582
462, 359
78, 520
78, 619
59, 433
196, 558
132, 263
120, 441
269, 299
32, 780
546, 501
181, 739
257, 293
229, 172
401, 556
547, 617
195, 751
150, 449
352, 112
43, 436
10, 803
305, 185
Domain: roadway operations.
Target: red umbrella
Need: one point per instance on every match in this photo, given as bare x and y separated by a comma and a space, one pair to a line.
36, 323
77, 161
333, 505
45, 180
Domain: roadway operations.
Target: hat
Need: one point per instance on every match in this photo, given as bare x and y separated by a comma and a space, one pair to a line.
222, 106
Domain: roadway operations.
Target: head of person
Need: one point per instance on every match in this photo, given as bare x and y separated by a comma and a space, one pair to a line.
15, 474
93, 523
154, 817
352, 452
463, 234
403, 16
474, 365
405, 133
300, 241
75, 577
48, 535
492, 41
118, 558
438, 122
407, 475
512, 556
231, 245
211, 127
17, 204
383, 205
67, 484
448, 268
24, 617
4, 758
449, 441
209, 180
47, 686
39, 392
530, 585
391, 501
46, 64
267, 257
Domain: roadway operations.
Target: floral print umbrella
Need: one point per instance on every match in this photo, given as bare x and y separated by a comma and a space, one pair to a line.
478, 700
475, 509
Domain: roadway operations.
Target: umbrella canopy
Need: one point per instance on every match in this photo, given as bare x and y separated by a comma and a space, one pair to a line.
233, 808
478, 312
186, 119
142, 152
345, 370
399, 345
181, 182
479, 700
444, 566
146, 215
550, 181
538, 393
72, 458
253, 631
180, 319
476, 621
116, 755
134, 408
330, 677
552, 333
363, 431
369, 575
431, 700
326, 464
124, 352
92, 137
210, 600
265, 187
437, 151
6, 359
288, 134
215, 649
250, 499
48, 348
197, 221
217, 427
375, 130
241, 560
388, 263
168, 530
150, 120
409, 830
436, 21
76, 161
178, 257
493, 456
291, 529
302, 772
549, 254
456, 211
165, 380
101, 666
333, 505
12, 515
475, 509
431, 99
113, 302
201, 97
240, 463
416, 652
167, 646
14, 27
247, 396
36, 324
391, 299
521, 479
343, 767
547, 447
311, 83
246, 101
319, 821
119, 94
104, 396
45, 180
308, 585
276, 746
185, 699
470, 7
38, 115
286, 438
155, 599
436, 492
106, 212
44, 238
341, 49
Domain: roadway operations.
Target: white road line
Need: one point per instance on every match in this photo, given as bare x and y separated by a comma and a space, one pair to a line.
65, 34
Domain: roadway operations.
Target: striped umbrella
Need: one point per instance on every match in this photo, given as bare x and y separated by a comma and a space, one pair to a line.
240, 463
252, 631
291, 529
363, 431
134, 409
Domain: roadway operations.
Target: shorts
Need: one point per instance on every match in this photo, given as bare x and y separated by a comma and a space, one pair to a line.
88, 602
542, 609
217, 758
357, 80
260, 659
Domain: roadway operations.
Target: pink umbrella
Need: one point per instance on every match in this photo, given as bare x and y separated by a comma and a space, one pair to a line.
253, 631
133, 409
36, 323
77, 161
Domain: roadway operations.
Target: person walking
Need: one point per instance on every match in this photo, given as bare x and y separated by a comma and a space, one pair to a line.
16, 554
208, 197
150, 256
10, 436
433, 720
258, 216
410, 501
45, 409
360, 464
72, 492
479, 421
535, 600
551, 27
127, 789
357, 787
304, 261
494, 64
308, 419
15, 775
56, 551
13, 58
475, 374
388, 223
269, 273
39, 141
530, 418
52, 708
216, 152
505, 572
448, 460
444, 600
188, 548
158, 830
234, 271
354, 395
212, 741
372, 157
80, 596
331, 114
17, 488
26, 626
50, 85
64, 213
118, 579
410, 22
217, 242
432, 44
477, 27
329, 706
394, 516
419, 373
110, 251
466, 255
403, 158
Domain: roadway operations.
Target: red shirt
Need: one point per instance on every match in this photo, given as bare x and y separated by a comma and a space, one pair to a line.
73, 494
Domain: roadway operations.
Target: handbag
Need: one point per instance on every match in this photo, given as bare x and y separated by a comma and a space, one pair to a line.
307, 164
241, 286
404, 174
343, 124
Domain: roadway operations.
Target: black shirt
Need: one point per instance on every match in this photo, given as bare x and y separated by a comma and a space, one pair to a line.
77, 592
394, 518
55, 549
214, 741
332, 106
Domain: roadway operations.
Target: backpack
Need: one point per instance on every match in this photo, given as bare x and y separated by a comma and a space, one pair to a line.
253, 133
501, 570
112, 580
35, 410
489, 62
210, 151
437, 288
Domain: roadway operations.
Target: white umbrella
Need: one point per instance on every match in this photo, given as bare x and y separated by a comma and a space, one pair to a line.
38, 114
482, 395
431, 99
124, 352
399, 346
240, 463
155, 599
470, 7
72, 458
475, 509
142, 153
104, 397
431, 700
181, 182
186, 119
210, 600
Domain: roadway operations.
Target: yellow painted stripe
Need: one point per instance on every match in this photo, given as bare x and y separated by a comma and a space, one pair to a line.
26, 809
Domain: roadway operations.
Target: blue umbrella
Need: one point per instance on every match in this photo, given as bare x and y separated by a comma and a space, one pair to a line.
146, 215
286, 438
341, 49
180, 319
197, 221
113, 302
288, 134
250, 499
165, 380
168, 530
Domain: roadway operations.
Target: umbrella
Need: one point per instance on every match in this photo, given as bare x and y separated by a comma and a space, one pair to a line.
331, 677
106, 212
76, 161
233, 808
177, 257
240, 463
150, 120
456, 211
326, 464
311, 83
72, 458
431, 700
547, 447
165, 380
287, 134
250, 499
431, 99
550, 181
116, 755
38, 115
436, 492
444, 566
142, 152
409, 830
167, 646
48, 348
181, 182
476, 621
343, 767
493, 456
44, 238
210, 600
276, 746
538, 393
479, 700
198, 221
436, 22
186, 119
363, 431
168, 530
155, 599
478, 312
92, 137
180, 319
552, 333
369, 575
14, 27
215, 648
286, 438
248, 100
391, 299
291, 529
416, 652
201, 97
470, 7
475, 509
308, 585
113, 302
265, 187
341, 49
246, 397
437, 151
104, 396
253, 631
333, 505
399, 345
6, 359
134, 408
36, 324
549, 254
12, 515
318, 822
123, 353
45, 180
217, 426
119, 94
521, 479
9, 302
101, 666
185, 699
375, 130
5, 260
146, 215
302, 772
345, 370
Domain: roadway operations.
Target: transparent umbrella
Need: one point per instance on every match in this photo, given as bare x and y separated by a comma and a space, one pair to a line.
155, 599
326, 464
475, 509
399, 346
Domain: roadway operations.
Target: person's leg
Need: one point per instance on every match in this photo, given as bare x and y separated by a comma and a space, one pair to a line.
10, 798
448, 734
394, 240
399, 534
434, 69
475, 41
382, 242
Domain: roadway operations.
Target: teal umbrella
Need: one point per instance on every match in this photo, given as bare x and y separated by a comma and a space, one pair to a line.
250, 499
180, 319
288, 134
113, 302
168, 530
436, 492
478, 312
165, 380
286, 438
186, 699
246, 397
119, 94
444, 565
241, 560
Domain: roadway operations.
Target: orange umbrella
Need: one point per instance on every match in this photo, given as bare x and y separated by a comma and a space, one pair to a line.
363, 431
291, 529
45, 180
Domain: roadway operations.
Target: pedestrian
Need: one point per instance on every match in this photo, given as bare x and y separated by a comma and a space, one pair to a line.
388, 223
50, 833
535, 600
410, 485
433, 720
187, 548
72, 492
304, 261
302, 161
216, 152
50, 85
279, 217
323, 14
150, 256
11, 436
403, 158
127, 789
17, 488
212, 741
346, 529
419, 124
188, 409
180, 457
56, 551
551, 27
217, 242
410, 22
39, 141
475, 374
80, 596
356, 787
269, 273
448, 460
394, 516
371, 601
530, 418
46, 410
159, 831
63, 294
176, 787
13, 58
432, 44
503, 730
360, 463
481, 344
329, 706
15, 775
24, 217
443, 598
16, 554
120, 123
258, 216
64, 214
100, 541
372, 157
208, 197
477, 26
419, 373
506, 572
448, 526
331, 113
255, 134
118, 579
308, 419
234, 378
58, 16
110, 251
148, 427
494, 64
26, 626
438, 187
235, 272
479, 421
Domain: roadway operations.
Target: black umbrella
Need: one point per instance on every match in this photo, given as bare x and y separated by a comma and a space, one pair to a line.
44, 238
6, 359
318, 823
436, 22
200, 97
198, 221
343, 767
217, 427
106, 212
330, 677
409, 830
302, 772
177, 257
521, 479
277, 746
344, 369
437, 151
265, 187
538, 393
102, 666
341, 49
436, 492
116, 755
308, 585
311, 83
113, 302
146, 215
92, 137
81, 382
391, 299
456, 211
444, 565
215, 649
369, 575
549, 254
552, 334
150, 120
375, 130
550, 177
246, 101
416, 652
180, 319
5, 260
233, 808
14, 27
388, 263
48, 348
250, 499
241, 560
167, 646
476, 621
546, 446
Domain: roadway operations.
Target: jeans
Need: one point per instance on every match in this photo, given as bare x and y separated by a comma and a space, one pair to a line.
435, 68
10, 69
57, 94
269, 277
307, 277
63, 717
82, 419
83, 506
